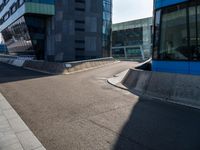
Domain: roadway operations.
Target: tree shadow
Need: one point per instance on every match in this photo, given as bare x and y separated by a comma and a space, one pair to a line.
10, 73
156, 125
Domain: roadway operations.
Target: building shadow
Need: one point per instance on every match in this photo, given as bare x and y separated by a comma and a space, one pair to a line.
156, 125
9, 73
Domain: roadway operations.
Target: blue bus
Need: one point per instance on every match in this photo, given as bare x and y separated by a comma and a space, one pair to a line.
176, 42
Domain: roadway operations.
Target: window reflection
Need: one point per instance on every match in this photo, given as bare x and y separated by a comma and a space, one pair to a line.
107, 23
173, 43
26, 36
17, 38
156, 33
127, 37
198, 29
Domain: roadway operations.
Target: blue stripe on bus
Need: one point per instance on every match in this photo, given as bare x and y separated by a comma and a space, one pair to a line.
164, 3
183, 67
171, 66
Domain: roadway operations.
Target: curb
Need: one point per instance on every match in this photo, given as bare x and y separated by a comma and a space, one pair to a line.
117, 79
120, 86
14, 132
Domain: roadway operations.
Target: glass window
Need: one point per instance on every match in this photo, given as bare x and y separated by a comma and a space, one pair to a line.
106, 29
198, 29
118, 53
17, 38
20, 2
26, 36
133, 53
127, 37
157, 33
173, 41
193, 31
179, 37
196, 54
13, 8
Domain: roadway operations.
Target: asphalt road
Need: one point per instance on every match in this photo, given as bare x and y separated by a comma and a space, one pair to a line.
82, 111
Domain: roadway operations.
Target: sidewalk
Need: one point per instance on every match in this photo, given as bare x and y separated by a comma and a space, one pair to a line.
14, 134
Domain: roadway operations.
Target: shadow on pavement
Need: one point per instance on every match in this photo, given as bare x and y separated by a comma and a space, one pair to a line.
10, 73
155, 125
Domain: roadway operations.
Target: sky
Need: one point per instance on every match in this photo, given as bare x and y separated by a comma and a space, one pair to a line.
126, 10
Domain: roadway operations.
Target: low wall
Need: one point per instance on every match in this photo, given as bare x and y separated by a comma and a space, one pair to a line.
12, 60
53, 67
176, 88
65, 68
43, 66
87, 64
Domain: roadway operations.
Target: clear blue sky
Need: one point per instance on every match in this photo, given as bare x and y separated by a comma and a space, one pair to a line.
125, 10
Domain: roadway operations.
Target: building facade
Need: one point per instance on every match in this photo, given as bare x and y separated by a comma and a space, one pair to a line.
57, 30
132, 39
176, 46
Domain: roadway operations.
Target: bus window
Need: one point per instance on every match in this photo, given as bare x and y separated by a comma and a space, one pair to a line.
192, 30
157, 34
173, 42
198, 29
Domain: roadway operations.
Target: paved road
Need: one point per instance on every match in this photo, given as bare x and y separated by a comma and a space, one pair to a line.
83, 112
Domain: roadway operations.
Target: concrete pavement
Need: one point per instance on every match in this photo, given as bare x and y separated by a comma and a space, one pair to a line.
83, 112
14, 134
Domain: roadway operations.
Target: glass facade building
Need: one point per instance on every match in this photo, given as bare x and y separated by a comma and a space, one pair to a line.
176, 46
133, 39
23, 25
107, 24
57, 30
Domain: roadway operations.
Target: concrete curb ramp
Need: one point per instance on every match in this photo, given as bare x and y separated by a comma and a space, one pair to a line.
14, 134
56, 68
175, 88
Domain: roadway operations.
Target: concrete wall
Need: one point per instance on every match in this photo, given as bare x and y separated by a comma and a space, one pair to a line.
54, 67
176, 88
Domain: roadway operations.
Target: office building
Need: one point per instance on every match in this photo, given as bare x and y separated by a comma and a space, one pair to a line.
57, 30
132, 39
